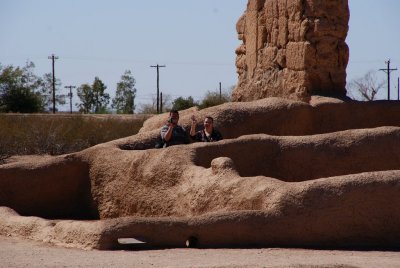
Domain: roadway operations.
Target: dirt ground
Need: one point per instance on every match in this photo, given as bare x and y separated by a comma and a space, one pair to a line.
15, 252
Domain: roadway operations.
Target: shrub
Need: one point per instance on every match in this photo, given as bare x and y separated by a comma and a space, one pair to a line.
22, 134
183, 104
213, 98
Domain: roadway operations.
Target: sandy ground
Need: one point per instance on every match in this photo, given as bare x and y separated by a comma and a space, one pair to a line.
15, 252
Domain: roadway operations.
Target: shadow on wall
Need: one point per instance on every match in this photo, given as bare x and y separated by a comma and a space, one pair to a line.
58, 191
292, 159
303, 119
144, 144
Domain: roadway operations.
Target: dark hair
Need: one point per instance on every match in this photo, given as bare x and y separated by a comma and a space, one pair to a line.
173, 112
209, 117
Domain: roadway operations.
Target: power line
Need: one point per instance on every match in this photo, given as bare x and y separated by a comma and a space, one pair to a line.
110, 59
158, 85
53, 58
388, 70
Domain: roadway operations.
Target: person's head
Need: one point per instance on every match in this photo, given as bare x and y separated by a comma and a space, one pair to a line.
208, 123
174, 116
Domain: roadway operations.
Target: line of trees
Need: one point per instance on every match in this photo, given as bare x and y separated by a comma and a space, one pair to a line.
94, 99
211, 98
21, 91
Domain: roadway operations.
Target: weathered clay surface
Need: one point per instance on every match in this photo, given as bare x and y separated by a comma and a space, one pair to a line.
292, 48
294, 177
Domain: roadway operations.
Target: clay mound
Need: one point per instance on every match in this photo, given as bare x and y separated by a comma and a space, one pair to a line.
311, 183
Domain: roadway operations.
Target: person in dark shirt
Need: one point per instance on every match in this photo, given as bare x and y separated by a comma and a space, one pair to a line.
172, 133
208, 134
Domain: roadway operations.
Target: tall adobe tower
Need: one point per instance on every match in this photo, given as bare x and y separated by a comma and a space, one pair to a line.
292, 49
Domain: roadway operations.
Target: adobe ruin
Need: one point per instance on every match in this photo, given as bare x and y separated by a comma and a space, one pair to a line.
292, 49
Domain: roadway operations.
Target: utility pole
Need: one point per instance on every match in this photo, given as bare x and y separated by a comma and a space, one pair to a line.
53, 58
158, 85
220, 92
388, 70
70, 97
398, 88
161, 102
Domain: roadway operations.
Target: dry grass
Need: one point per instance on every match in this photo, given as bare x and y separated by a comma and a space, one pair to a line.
27, 134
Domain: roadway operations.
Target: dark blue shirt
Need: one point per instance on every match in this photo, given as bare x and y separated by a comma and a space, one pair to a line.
179, 136
202, 136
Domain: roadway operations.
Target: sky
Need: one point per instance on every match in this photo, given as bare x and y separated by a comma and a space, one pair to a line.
195, 40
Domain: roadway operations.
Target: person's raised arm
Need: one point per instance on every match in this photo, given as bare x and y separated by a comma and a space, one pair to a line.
166, 134
193, 126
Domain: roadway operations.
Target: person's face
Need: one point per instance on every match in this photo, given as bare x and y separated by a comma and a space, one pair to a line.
208, 123
175, 118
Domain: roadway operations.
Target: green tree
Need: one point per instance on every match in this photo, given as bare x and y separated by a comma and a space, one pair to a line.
213, 98
100, 98
93, 98
18, 89
182, 103
47, 91
124, 101
85, 94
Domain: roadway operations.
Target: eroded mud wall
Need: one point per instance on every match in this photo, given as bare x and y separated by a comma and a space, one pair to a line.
292, 49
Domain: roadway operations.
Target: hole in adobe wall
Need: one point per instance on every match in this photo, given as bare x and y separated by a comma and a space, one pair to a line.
131, 243
303, 159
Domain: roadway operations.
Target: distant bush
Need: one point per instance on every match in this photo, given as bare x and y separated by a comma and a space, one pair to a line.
183, 103
214, 98
59, 134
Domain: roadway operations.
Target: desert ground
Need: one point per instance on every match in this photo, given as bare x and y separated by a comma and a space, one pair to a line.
15, 252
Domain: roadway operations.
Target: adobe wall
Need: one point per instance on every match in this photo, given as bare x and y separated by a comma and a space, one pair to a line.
292, 49
341, 185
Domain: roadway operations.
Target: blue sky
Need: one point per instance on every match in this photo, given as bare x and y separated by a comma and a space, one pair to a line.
196, 41
373, 38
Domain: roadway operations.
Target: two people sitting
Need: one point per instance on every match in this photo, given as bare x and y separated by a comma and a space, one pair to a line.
172, 133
